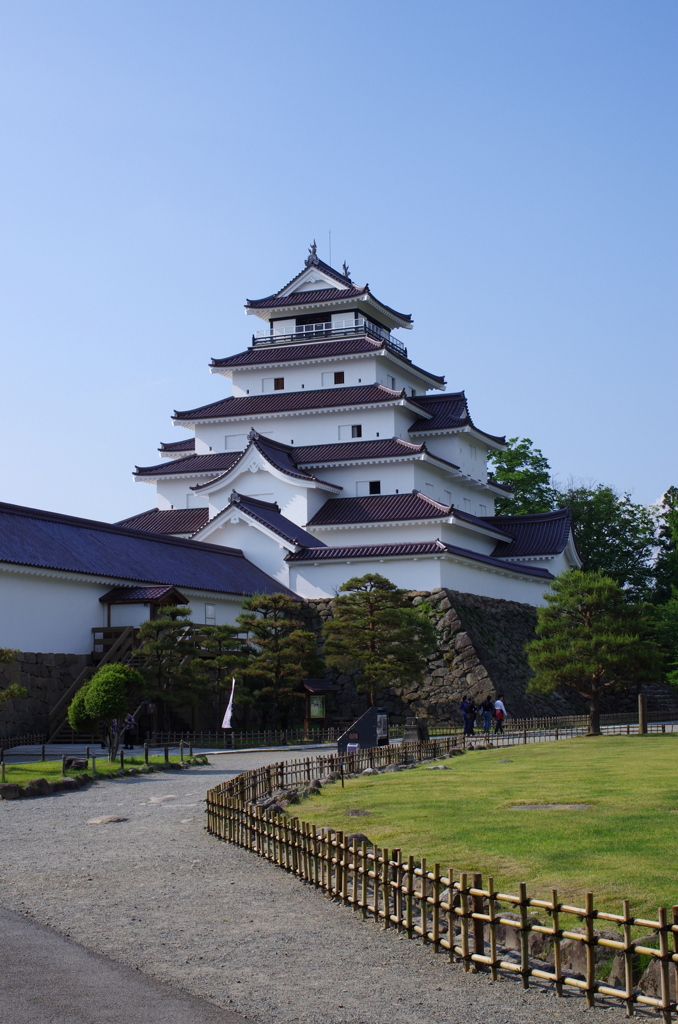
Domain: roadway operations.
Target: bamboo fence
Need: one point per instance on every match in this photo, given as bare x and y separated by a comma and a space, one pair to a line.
451, 912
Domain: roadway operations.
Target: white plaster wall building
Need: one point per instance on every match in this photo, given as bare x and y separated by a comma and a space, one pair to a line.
337, 455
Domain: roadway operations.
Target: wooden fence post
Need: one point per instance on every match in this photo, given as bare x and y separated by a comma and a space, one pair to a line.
524, 937
642, 713
664, 966
478, 926
590, 952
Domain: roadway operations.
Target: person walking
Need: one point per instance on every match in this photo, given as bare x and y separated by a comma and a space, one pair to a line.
487, 707
468, 710
130, 729
499, 713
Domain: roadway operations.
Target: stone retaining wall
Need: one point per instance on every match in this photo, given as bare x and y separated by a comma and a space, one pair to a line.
481, 654
46, 677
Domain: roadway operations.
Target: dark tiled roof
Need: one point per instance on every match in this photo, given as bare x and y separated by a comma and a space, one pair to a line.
263, 354
134, 595
168, 520
446, 412
268, 513
380, 508
51, 541
290, 401
302, 298
187, 445
218, 462
543, 534
434, 547
279, 455
343, 451
289, 353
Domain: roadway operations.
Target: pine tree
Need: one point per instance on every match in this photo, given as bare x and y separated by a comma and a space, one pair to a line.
591, 640
168, 648
375, 633
666, 564
282, 653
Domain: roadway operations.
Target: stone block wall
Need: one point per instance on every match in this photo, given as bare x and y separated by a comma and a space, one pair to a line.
481, 654
46, 677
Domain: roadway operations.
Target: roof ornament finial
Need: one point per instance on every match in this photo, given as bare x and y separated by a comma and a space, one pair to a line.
312, 258
253, 435
344, 267
235, 497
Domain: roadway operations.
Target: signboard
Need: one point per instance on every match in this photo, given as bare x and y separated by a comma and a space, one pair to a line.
317, 706
382, 726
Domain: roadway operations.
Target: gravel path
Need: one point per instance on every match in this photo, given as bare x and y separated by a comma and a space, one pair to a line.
157, 893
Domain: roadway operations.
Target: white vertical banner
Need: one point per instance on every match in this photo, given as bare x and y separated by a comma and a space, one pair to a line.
226, 724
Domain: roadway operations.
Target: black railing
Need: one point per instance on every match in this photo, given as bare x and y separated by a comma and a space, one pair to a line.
319, 332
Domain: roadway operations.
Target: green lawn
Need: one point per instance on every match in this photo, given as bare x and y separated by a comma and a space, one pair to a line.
623, 845
51, 770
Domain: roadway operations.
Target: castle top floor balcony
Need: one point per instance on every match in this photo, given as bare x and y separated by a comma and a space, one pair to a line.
332, 329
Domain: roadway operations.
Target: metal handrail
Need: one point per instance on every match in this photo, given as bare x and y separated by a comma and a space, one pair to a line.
331, 330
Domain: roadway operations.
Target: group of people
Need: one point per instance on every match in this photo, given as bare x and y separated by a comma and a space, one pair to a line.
491, 710
129, 728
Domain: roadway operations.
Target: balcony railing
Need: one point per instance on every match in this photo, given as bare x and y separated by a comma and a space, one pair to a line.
329, 330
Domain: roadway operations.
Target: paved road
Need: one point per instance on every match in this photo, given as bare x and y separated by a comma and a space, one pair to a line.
47, 979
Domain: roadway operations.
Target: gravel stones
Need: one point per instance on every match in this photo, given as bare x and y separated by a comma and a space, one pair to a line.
238, 930
106, 819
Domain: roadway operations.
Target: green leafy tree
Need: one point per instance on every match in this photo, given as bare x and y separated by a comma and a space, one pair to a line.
666, 563
105, 699
78, 716
591, 640
375, 633
666, 633
614, 536
283, 652
168, 648
527, 470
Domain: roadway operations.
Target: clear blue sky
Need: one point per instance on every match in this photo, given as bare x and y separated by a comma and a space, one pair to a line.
505, 171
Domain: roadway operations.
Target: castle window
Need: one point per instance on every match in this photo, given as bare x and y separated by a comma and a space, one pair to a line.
330, 378
279, 384
375, 486
349, 432
210, 616
390, 382
483, 510
364, 487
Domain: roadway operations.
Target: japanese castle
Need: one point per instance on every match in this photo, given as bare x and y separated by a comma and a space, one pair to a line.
337, 455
